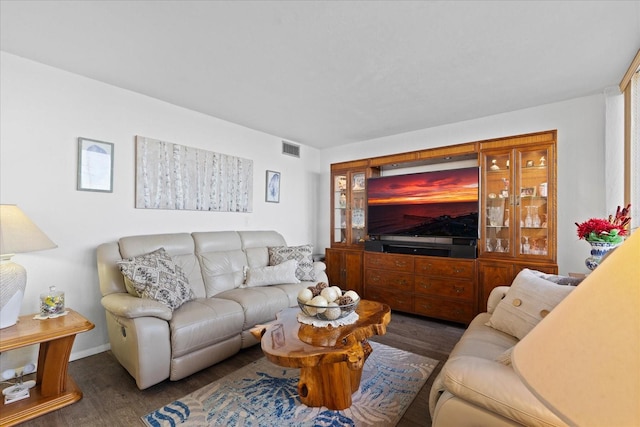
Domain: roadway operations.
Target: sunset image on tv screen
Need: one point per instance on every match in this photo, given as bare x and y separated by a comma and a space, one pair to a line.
443, 203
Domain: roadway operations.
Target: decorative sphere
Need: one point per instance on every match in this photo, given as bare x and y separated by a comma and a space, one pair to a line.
320, 303
305, 295
353, 294
329, 294
333, 311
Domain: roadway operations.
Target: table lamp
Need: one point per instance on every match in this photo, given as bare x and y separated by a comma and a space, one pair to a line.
17, 234
583, 359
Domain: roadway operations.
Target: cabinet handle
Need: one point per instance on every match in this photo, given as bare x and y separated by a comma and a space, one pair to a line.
427, 306
375, 279
400, 263
402, 282
426, 267
425, 285
459, 270
458, 289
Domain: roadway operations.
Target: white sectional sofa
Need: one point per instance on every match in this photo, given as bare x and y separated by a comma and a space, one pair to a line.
234, 288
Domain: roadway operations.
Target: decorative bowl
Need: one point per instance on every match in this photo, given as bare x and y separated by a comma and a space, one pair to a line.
329, 312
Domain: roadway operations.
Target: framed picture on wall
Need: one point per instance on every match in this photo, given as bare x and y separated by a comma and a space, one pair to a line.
273, 187
95, 165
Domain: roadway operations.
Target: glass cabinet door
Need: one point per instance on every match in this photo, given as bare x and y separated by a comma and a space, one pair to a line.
497, 198
340, 208
517, 189
358, 207
533, 178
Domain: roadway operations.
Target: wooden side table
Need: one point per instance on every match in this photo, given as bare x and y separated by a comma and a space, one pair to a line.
54, 387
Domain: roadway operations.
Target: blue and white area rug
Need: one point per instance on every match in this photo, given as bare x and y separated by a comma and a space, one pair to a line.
263, 394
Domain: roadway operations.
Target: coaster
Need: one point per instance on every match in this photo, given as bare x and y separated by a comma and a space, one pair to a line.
347, 320
51, 316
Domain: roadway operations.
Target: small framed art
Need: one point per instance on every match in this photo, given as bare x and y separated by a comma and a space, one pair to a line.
273, 187
95, 165
527, 191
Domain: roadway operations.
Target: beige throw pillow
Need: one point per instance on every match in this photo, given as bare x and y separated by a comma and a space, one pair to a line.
273, 275
529, 299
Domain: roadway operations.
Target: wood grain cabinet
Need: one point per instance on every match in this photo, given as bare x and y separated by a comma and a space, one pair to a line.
517, 220
388, 278
443, 288
517, 209
344, 269
446, 288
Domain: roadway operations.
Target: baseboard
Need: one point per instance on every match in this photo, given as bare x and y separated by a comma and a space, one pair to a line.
75, 355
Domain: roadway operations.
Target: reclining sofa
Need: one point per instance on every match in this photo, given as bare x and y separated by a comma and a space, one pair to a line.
234, 285
478, 386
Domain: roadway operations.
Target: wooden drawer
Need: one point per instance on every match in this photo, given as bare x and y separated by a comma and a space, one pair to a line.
388, 262
396, 300
444, 309
391, 280
456, 269
459, 289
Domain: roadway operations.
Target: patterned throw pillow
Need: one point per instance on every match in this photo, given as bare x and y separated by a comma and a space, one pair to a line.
302, 254
155, 276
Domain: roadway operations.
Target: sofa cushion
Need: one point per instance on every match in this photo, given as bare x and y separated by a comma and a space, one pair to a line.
528, 300
156, 276
273, 275
260, 304
302, 254
203, 322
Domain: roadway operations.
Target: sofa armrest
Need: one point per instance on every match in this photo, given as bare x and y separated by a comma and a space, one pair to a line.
125, 305
497, 388
495, 297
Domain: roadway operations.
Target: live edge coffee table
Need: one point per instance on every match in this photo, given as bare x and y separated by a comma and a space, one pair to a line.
330, 358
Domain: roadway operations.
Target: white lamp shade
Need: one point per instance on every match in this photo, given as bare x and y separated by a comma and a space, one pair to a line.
19, 234
583, 359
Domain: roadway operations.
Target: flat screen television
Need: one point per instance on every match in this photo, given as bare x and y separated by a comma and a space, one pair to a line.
427, 204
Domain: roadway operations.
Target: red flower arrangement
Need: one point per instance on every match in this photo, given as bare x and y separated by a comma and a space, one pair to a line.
609, 230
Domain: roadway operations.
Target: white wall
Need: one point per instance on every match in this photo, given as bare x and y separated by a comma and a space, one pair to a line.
580, 156
43, 112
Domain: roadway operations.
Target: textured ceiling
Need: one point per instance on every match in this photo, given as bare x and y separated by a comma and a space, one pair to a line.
332, 73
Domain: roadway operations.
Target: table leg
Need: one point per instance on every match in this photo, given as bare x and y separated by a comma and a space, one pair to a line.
53, 363
326, 385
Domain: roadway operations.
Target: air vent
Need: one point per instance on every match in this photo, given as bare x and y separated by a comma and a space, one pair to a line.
290, 149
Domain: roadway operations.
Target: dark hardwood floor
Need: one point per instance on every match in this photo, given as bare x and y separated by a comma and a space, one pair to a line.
112, 399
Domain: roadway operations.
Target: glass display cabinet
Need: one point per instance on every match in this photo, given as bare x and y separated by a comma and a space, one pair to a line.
349, 207
517, 203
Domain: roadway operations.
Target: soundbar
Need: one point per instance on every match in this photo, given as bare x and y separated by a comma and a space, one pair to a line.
457, 248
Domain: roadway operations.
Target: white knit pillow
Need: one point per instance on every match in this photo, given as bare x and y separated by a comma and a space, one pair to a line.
529, 299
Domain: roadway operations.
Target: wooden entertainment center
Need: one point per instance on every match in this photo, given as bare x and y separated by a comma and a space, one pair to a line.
517, 228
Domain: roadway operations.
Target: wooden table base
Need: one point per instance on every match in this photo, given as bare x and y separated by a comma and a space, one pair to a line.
332, 385
330, 359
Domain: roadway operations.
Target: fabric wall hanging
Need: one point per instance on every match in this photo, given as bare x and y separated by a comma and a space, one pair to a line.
172, 176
